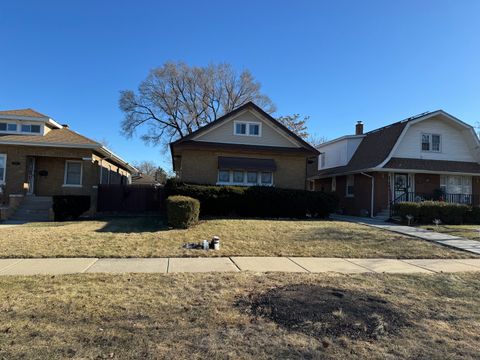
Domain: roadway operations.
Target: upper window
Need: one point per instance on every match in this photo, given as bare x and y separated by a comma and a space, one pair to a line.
73, 173
431, 142
10, 127
31, 129
322, 160
247, 128
3, 165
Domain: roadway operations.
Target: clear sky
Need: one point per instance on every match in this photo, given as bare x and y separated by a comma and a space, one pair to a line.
336, 61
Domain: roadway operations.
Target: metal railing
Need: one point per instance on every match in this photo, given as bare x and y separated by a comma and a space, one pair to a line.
468, 199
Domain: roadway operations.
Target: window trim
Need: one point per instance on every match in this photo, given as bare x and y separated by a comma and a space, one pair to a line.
334, 184
247, 128
430, 142
65, 173
4, 180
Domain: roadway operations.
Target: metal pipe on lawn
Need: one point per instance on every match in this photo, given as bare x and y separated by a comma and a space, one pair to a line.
373, 193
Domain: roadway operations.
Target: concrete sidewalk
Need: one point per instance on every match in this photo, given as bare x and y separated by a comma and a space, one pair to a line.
455, 242
58, 266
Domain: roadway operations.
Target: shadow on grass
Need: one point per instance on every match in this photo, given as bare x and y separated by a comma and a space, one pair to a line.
134, 225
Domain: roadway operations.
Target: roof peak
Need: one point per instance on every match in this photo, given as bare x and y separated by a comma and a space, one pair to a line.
28, 112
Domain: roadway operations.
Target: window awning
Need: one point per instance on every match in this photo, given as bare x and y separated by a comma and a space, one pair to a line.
238, 163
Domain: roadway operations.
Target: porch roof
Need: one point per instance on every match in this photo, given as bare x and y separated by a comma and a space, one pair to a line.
433, 165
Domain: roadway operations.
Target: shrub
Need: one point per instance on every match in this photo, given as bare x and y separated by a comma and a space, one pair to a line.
182, 211
256, 201
70, 207
425, 212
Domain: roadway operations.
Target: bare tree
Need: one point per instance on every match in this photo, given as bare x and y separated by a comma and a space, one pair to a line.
151, 169
176, 99
295, 124
315, 140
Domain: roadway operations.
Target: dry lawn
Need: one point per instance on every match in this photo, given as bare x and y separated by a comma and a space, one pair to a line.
208, 316
465, 231
148, 237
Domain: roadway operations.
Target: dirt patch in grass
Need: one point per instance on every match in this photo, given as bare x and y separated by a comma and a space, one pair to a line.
194, 316
320, 311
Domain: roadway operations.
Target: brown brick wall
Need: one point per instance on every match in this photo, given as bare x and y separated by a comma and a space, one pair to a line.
201, 167
50, 161
426, 183
360, 203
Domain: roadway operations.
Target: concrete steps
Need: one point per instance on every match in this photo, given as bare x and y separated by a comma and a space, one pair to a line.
33, 208
383, 215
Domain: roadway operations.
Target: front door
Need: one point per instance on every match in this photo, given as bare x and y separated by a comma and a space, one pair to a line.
30, 175
400, 187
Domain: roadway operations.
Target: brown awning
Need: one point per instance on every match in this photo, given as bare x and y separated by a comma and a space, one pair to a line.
237, 163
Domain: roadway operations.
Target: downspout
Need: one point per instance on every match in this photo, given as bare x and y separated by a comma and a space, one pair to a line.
372, 194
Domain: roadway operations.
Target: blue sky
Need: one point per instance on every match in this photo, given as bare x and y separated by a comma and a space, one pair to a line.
336, 61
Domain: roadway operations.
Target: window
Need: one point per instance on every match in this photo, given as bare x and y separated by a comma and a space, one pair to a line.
247, 128
350, 185
252, 177
431, 142
266, 178
238, 176
245, 178
3, 165
31, 128
254, 129
12, 127
334, 184
223, 176
240, 128
73, 173
3, 126
456, 184
322, 160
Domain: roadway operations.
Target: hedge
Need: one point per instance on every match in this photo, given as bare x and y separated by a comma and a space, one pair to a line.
70, 207
182, 211
256, 201
425, 212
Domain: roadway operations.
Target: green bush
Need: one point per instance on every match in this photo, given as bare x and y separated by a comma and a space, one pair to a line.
473, 216
70, 207
182, 211
425, 212
256, 201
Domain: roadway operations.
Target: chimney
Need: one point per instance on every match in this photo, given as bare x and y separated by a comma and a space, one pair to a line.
65, 125
359, 128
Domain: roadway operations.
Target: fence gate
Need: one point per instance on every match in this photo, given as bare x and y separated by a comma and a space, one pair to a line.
130, 198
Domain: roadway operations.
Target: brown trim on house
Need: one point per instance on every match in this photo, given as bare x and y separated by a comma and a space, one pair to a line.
232, 163
433, 165
190, 144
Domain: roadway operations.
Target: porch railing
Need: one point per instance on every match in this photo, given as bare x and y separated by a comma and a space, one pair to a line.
468, 199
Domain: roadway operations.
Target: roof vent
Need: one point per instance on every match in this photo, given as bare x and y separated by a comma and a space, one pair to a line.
65, 125
359, 128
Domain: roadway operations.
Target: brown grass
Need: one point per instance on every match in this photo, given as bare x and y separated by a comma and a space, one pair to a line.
148, 237
196, 316
465, 231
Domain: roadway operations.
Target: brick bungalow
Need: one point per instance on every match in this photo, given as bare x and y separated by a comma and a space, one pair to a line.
244, 147
41, 158
433, 155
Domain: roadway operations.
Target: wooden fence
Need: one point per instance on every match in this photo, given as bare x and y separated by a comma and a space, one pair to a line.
130, 198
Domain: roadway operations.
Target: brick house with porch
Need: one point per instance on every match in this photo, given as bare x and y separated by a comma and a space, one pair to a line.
431, 156
40, 158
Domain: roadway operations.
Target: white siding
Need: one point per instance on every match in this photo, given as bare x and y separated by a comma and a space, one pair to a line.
340, 152
456, 142
269, 135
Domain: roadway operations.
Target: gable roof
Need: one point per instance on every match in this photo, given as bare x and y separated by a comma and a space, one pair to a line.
23, 112
255, 107
377, 146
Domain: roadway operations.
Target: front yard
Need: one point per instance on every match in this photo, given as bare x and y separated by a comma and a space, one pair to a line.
465, 231
245, 316
149, 237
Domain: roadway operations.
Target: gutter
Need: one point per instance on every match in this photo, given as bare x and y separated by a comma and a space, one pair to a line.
372, 197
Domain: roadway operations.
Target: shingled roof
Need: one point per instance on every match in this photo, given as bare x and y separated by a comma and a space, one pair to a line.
372, 151
62, 136
23, 112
